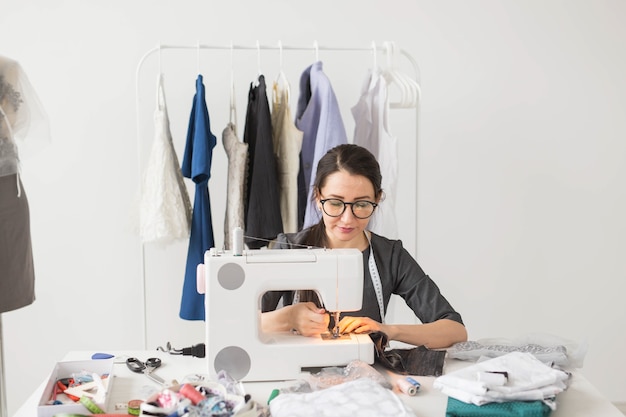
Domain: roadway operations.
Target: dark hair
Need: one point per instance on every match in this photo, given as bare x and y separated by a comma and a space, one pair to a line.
355, 160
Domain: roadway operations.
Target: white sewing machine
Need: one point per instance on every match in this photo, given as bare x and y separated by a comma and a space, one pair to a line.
234, 286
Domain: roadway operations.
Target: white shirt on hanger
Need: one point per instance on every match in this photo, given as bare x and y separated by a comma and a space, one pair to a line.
372, 132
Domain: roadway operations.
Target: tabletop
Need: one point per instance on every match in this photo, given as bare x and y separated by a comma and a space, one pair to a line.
580, 399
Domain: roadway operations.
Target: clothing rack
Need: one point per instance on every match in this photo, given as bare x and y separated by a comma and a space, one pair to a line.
374, 48
278, 47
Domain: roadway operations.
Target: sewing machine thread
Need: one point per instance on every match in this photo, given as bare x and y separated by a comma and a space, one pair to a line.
406, 387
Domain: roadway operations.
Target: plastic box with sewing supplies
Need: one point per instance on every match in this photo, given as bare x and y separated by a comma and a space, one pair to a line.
77, 387
200, 395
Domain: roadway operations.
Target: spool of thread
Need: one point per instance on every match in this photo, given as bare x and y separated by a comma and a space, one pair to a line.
237, 242
188, 391
416, 384
134, 407
406, 387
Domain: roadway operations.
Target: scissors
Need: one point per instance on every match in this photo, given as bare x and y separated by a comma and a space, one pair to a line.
147, 368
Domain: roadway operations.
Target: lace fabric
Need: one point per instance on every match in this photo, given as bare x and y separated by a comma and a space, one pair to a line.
545, 347
9, 158
472, 350
237, 153
165, 207
23, 120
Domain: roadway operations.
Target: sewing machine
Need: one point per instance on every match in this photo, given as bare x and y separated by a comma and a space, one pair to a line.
234, 286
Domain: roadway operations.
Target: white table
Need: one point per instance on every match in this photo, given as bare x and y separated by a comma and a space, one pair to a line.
580, 400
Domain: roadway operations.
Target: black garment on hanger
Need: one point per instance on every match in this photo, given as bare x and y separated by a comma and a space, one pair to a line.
262, 208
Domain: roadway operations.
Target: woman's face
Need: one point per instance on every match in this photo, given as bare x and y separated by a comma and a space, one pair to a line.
346, 231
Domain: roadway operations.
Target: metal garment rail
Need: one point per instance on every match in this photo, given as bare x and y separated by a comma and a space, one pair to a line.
374, 48
3, 394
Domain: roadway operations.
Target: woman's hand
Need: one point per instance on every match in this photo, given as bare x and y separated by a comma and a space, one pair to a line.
308, 319
361, 325
442, 333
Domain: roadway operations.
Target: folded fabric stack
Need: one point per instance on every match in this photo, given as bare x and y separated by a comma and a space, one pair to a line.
458, 408
514, 377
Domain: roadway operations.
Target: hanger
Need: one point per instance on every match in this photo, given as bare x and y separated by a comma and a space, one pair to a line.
413, 87
198, 55
374, 58
160, 99
160, 71
409, 89
281, 77
393, 77
316, 47
233, 105
258, 60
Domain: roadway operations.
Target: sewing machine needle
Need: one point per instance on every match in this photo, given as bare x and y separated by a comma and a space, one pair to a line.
336, 331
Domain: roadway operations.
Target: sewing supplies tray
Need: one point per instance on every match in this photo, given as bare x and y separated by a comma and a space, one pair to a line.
66, 370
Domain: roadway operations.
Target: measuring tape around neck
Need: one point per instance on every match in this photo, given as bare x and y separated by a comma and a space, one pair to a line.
378, 286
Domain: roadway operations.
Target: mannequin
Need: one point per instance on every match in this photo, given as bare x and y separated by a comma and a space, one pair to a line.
23, 123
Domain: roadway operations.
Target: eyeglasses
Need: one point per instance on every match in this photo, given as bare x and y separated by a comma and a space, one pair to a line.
362, 209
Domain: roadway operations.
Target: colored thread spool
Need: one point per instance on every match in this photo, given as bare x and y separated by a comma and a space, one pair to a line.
134, 407
188, 391
414, 382
406, 387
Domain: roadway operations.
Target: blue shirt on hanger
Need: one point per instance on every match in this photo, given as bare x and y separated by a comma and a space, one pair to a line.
319, 118
197, 166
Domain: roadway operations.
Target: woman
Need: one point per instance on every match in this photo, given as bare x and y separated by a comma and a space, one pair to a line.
347, 190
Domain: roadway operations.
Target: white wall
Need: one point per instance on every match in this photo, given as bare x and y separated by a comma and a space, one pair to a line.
521, 160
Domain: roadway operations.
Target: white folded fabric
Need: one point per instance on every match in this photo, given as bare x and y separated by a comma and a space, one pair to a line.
361, 397
527, 379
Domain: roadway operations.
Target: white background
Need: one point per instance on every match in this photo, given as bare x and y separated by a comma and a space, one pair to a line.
521, 159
